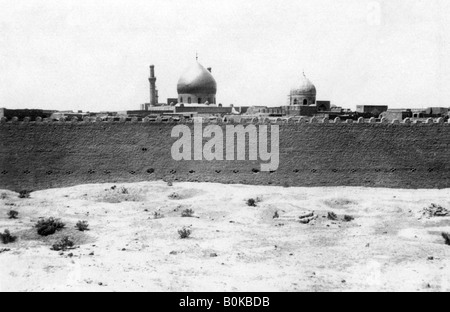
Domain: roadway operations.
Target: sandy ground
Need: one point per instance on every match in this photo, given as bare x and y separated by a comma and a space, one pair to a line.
233, 247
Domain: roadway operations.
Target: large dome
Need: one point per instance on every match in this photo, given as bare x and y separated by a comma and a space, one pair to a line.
306, 87
196, 80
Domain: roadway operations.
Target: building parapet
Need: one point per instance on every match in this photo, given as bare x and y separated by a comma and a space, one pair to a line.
230, 120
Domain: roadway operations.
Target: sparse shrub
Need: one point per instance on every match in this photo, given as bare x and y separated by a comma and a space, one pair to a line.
123, 190
12, 214
7, 238
332, 216
446, 236
24, 194
184, 232
169, 183
64, 244
49, 226
113, 187
251, 202
435, 211
82, 226
174, 196
187, 213
348, 218
157, 215
276, 215
3, 196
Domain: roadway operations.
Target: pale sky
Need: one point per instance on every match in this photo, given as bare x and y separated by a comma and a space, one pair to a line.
94, 55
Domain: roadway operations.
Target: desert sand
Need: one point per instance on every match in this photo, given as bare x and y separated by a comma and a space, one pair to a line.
233, 247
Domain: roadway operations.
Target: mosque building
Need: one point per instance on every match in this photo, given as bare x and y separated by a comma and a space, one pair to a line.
197, 90
302, 100
304, 93
197, 86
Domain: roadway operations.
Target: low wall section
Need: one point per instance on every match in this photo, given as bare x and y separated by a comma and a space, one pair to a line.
40, 155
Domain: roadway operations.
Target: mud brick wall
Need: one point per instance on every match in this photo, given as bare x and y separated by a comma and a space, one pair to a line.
44, 155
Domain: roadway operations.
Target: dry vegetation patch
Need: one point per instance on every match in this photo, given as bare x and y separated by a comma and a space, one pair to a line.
119, 194
24, 194
31, 235
49, 226
339, 203
446, 237
7, 238
12, 214
82, 226
435, 211
64, 244
184, 233
187, 213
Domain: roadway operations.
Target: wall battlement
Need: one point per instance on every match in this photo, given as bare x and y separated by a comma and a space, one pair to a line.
42, 154
240, 120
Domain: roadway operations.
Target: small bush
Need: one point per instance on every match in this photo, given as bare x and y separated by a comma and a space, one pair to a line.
187, 213
63, 244
123, 190
7, 238
12, 214
446, 236
24, 194
82, 226
251, 202
184, 232
276, 215
332, 216
348, 218
49, 226
174, 196
157, 215
169, 183
435, 211
3, 196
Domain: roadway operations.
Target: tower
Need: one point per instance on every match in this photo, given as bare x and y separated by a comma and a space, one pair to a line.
153, 91
304, 93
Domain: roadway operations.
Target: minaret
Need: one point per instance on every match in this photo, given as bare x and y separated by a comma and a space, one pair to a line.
153, 92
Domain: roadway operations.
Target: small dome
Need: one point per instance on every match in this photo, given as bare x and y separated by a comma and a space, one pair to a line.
197, 80
306, 87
